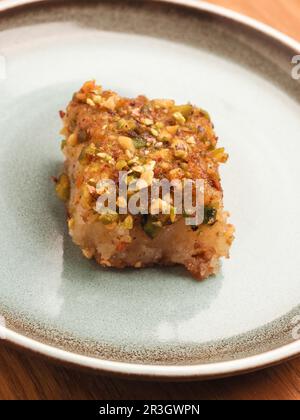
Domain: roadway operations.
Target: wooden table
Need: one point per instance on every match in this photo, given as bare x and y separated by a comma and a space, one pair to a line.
30, 377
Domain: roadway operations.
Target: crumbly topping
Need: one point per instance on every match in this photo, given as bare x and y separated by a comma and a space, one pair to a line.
150, 139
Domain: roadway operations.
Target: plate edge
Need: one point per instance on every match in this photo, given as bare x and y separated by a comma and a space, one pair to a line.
154, 372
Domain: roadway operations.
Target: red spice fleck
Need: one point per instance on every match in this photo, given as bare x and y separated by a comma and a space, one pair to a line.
79, 181
157, 171
121, 246
54, 179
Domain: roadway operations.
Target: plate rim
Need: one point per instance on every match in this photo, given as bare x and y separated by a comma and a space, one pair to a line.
164, 372
155, 372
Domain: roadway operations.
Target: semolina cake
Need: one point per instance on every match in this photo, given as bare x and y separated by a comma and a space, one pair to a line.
146, 141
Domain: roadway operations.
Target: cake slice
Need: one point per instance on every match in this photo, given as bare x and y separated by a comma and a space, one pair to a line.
147, 141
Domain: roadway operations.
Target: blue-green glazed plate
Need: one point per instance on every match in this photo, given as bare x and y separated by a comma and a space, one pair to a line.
154, 323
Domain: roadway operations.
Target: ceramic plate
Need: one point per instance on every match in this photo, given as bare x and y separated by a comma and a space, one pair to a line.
156, 323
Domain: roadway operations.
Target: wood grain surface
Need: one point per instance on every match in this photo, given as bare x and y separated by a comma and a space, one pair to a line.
281, 14
30, 377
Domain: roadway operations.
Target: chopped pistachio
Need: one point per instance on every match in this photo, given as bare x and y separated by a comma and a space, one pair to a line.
129, 154
130, 179
206, 114
90, 102
179, 117
97, 90
121, 124
138, 169
128, 222
120, 165
97, 99
150, 226
219, 155
102, 155
63, 187
184, 166
165, 136
63, 144
111, 102
163, 103
126, 125
92, 182
172, 214
154, 132
147, 121
159, 125
72, 140
185, 110
109, 218
86, 152
95, 167
210, 215
106, 157
191, 140
86, 197
180, 149
133, 161
71, 223
139, 142
64, 131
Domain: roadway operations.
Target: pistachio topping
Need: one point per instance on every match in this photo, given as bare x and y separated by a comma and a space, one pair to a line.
150, 140
109, 218
63, 187
72, 140
210, 215
179, 117
139, 142
128, 223
184, 110
120, 155
126, 143
151, 225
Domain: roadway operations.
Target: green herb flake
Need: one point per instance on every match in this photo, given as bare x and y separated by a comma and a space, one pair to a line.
151, 226
139, 142
210, 215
